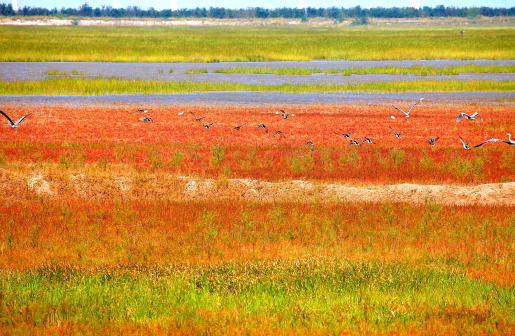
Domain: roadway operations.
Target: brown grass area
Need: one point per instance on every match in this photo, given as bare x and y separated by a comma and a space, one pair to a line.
90, 184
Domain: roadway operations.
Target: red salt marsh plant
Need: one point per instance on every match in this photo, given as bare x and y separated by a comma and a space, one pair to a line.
71, 265
178, 143
158, 264
71, 231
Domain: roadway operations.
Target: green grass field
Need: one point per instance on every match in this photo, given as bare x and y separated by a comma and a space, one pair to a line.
248, 44
301, 297
102, 86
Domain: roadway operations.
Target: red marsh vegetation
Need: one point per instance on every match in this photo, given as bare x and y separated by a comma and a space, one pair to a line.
179, 144
210, 263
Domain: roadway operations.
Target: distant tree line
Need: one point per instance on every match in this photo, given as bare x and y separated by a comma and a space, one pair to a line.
224, 13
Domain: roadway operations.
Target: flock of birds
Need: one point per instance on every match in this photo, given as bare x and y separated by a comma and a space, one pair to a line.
285, 115
430, 141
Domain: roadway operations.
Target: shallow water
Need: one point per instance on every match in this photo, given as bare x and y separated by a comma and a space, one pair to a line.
260, 99
161, 71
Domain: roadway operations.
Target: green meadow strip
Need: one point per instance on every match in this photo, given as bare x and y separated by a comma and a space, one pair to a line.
311, 294
251, 44
415, 70
103, 86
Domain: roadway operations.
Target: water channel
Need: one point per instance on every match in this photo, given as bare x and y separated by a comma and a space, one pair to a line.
20, 71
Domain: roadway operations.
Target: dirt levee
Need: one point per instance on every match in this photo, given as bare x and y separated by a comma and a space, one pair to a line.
15, 186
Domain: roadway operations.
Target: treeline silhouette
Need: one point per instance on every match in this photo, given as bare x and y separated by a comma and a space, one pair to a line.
225, 13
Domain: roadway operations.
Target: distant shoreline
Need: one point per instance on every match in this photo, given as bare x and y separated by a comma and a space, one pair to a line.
315, 22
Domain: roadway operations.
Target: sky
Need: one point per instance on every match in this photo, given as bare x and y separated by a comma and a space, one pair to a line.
234, 4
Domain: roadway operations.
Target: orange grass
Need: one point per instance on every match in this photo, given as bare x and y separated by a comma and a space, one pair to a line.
476, 239
177, 143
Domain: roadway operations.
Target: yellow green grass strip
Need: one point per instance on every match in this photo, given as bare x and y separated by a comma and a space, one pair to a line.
102, 86
308, 296
414, 70
250, 44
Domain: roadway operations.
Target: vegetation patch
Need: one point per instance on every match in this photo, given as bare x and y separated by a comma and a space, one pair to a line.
414, 70
308, 295
250, 44
102, 86
55, 73
200, 71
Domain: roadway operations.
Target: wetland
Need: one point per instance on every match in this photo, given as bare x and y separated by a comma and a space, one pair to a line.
112, 225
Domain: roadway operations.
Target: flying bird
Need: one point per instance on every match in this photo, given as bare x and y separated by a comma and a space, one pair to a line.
310, 143
397, 135
206, 126
509, 142
197, 119
368, 140
432, 141
407, 113
180, 113
465, 145
237, 128
15, 124
263, 126
345, 135
147, 119
285, 115
471, 117
279, 133
141, 111
354, 142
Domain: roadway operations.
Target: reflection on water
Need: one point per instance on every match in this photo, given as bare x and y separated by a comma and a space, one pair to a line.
260, 98
175, 71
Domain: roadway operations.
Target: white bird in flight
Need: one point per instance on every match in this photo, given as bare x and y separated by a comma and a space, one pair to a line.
469, 117
397, 135
237, 128
285, 115
407, 113
197, 119
367, 140
147, 119
432, 141
206, 126
141, 111
15, 124
345, 135
465, 145
509, 142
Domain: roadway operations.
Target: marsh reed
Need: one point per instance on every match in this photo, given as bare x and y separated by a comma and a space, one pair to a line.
104, 86
250, 44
